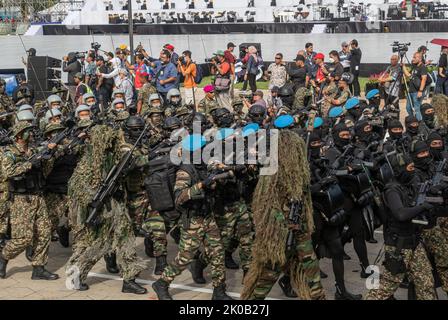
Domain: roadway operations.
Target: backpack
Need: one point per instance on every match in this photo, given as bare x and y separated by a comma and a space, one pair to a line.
199, 74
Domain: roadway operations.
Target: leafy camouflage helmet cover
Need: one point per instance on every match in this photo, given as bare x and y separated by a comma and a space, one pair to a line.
19, 127
49, 128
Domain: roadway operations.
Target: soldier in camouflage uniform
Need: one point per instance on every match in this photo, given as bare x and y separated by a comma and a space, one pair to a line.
336, 95
117, 115
115, 231
193, 198
154, 117
6, 106
209, 103
173, 103
28, 212
147, 90
301, 98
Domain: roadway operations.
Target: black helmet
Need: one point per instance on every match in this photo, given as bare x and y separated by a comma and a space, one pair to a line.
257, 113
286, 91
172, 123
135, 122
223, 117
201, 118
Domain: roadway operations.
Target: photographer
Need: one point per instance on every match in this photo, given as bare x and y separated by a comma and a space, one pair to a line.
222, 80
72, 66
188, 70
442, 83
391, 80
417, 84
166, 74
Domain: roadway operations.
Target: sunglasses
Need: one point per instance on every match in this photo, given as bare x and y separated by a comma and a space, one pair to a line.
277, 58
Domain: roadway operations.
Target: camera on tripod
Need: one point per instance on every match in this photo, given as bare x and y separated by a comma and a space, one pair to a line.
95, 46
400, 48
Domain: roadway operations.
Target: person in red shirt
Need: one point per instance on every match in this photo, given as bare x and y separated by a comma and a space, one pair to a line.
223, 71
139, 68
230, 58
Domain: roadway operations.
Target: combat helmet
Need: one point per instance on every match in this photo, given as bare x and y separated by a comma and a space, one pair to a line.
25, 115
118, 101
174, 93
81, 108
52, 113
117, 91
54, 98
19, 127
24, 107
172, 123
51, 127
155, 96
88, 96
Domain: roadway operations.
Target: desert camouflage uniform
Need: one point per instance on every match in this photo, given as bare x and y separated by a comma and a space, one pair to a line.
436, 241
4, 203
30, 224
419, 271
307, 258
331, 91
299, 99
155, 134
143, 95
199, 231
206, 106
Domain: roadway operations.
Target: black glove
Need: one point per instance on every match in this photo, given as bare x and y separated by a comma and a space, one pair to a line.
208, 183
427, 206
36, 163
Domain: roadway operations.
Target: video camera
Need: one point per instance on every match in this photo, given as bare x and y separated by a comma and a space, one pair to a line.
400, 48
95, 46
211, 60
81, 55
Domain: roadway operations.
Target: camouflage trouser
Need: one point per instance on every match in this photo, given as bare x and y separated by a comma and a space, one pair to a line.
29, 221
116, 234
57, 205
200, 231
418, 271
310, 264
436, 241
4, 213
236, 223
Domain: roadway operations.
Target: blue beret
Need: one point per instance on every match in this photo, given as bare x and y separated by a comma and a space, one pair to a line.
283, 121
193, 142
224, 133
251, 128
335, 112
351, 103
318, 121
372, 93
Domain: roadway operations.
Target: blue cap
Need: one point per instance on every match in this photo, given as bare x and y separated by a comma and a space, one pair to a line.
351, 103
193, 142
224, 133
283, 121
372, 93
335, 112
318, 121
251, 128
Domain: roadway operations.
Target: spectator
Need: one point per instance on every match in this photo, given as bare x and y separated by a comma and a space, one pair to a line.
298, 73
90, 69
335, 67
165, 74
344, 56
277, 73
274, 102
174, 56
103, 85
81, 88
126, 85
230, 58
115, 64
188, 70
222, 81
72, 66
424, 50
139, 68
355, 63
442, 83
417, 83
309, 59
392, 81
253, 63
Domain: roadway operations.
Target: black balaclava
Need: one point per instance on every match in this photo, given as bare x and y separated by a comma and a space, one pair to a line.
421, 163
428, 118
399, 163
314, 151
375, 103
355, 112
340, 143
436, 153
393, 124
411, 130
362, 135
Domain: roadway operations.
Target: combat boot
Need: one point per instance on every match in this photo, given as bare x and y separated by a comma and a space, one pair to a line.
130, 286
149, 247
63, 234
29, 253
229, 262
343, 294
219, 293
160, 265
2, 240
111, 263
197, 271
161, 289
364, 274
40, 273
285, 285
3, 264
83, 287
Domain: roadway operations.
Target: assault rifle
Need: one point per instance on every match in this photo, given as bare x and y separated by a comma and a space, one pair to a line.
6, 114
424, 189
295, 213
110, 185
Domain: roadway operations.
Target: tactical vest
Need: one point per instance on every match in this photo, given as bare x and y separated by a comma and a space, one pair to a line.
197, 207
31, 182
57, 181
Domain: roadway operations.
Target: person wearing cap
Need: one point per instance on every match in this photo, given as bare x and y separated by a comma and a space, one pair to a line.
277, 73
81, 87
174, 56
418, 78
125, 84
298, 73
424, 50
231, 59
391, 81
344, 56
355, 65
222, 80
103, 85
209, 102
144, 93
188, 69
442, 68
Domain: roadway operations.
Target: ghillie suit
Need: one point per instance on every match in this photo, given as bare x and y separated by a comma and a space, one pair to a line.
115, 233
271, 205
440, 104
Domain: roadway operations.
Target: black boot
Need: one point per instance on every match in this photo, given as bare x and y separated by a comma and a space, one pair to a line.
285, 284
229, 262
2, 240
40, 273
175, 234
29, 253
149, 247
160, 265
323, 275
111, 263
197, 271
83, 287
405, 283
3, 264
63, 234
130, 286
364, 274
219, 293
161, 289
343, 294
